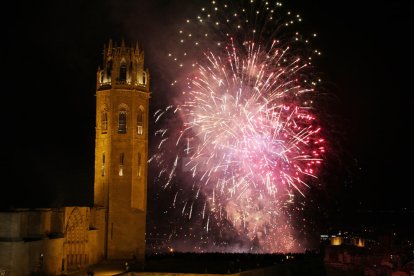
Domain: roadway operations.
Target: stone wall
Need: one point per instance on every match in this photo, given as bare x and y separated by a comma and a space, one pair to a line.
10, 226
33, 241
25, 258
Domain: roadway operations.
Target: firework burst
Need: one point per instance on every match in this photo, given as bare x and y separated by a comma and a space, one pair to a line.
249, 137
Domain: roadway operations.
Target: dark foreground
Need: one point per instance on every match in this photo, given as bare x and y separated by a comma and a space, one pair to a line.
228, 263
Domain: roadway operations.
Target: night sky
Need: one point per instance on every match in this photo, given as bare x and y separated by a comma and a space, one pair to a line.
51, 51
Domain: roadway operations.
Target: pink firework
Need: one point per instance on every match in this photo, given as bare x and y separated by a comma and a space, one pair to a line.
250, 138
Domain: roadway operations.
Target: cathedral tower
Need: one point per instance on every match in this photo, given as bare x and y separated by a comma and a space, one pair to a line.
121, 150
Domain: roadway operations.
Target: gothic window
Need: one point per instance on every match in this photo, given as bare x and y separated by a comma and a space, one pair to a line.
139, 164
108, 70
144, 77
130, 71
103, 164
121, 164
122, 121
123, 71
137, 187
104, 121
140, 120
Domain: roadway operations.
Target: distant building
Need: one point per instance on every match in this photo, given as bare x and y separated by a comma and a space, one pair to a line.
342, 239
349, 253
58, 241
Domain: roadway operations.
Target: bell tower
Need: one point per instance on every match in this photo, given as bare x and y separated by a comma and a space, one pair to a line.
121, 150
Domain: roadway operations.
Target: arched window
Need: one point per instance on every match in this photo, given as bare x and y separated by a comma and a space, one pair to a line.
139, 164
101, 76
123, 71
122, 121
103, 164
108, 70
144, 77
140, 120
130, 71
104, 121
137, 187
121, 164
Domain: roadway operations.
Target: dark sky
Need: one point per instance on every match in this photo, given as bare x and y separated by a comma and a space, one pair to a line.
51, 51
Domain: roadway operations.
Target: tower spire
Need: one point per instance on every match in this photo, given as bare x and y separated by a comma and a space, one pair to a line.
136, 47
123, 67
110, 46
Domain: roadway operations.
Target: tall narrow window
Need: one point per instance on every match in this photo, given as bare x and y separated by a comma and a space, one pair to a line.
101, 76
140, 120
108, 70
121, 164
137, 186
104, 121
139, 164
129, 72
144, 77
103, 164
122, 121
123, 71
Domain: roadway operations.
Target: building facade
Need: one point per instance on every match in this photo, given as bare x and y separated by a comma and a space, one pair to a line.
121, 150
55, 241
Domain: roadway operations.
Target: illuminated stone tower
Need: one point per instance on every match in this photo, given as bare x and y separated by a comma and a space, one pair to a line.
121, 150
